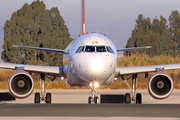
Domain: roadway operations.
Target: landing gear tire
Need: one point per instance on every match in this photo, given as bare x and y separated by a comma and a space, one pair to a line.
138, 98
48, 97
90, 100
37, 98
127, 98
96, 100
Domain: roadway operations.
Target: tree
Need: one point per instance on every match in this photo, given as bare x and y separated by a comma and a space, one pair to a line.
155, 34
33, 25
174, 22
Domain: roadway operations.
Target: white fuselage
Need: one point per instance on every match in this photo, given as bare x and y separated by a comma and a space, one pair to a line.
92, 57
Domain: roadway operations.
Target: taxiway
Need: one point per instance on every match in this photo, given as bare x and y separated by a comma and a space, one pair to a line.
73, 103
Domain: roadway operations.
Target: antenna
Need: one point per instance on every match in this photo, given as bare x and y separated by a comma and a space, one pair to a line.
83, 18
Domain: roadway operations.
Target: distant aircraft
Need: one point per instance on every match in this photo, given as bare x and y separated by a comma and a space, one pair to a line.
92, 62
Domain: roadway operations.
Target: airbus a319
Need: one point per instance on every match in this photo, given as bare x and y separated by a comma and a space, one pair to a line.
92, 62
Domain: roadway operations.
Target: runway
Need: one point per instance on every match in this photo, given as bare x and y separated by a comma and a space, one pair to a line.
73, 103
85, 110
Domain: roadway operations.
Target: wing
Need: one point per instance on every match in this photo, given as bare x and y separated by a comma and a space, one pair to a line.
50, 70
44, 49
144, 69
133, 48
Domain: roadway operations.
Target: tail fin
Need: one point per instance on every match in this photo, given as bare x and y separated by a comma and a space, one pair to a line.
83, 18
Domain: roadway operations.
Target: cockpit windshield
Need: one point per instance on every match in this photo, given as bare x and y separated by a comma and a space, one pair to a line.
89, 48
100, 49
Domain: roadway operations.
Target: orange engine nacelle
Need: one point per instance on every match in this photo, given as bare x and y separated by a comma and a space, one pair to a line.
21, 84
160, 85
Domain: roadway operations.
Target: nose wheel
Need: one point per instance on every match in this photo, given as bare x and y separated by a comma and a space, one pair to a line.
91, 100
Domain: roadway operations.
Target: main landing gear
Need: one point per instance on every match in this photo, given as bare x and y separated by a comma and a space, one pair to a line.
38, 98
93, 98
138, 97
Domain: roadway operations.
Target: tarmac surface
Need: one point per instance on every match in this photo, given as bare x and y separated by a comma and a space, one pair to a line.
73, 104
85, 110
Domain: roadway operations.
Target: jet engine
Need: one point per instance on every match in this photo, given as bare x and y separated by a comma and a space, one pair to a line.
21, 84
160, 85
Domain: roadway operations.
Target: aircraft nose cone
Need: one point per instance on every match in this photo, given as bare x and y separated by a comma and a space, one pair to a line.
95, 67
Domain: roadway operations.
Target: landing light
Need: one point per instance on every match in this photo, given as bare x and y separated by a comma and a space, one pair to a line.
90, 84
62, 78
115, 78
96, 85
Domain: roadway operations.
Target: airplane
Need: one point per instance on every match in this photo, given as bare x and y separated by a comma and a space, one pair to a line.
92, 62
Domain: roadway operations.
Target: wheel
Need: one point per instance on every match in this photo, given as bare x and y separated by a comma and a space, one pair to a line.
37, 98
48, 97
96, 100
127, 98
138, 98
90, 100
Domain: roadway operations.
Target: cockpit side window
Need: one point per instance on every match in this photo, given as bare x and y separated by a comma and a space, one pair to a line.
90, 49
100, 49
77, 51
80, 49
109, 49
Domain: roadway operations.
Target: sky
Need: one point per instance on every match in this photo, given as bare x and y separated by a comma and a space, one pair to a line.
115, 14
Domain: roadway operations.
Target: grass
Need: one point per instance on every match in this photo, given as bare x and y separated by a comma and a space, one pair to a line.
133, 60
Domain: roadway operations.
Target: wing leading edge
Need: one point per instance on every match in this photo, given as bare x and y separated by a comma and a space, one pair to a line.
133, 48
49, 70
44, 49
144, 69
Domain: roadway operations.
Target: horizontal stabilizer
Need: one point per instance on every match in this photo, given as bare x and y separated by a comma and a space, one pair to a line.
44, 49
133, 48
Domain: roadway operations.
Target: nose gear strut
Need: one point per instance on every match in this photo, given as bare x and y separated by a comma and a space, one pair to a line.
93, 98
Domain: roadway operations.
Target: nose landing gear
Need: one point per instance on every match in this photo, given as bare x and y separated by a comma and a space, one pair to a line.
93, 98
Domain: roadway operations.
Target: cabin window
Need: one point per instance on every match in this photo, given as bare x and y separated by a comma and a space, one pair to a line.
90, 49
100, 49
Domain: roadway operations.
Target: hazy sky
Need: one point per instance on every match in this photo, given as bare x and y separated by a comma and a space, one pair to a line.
118, 14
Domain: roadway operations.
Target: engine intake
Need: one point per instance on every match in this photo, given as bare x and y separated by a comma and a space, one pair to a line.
160, 85
21, 84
